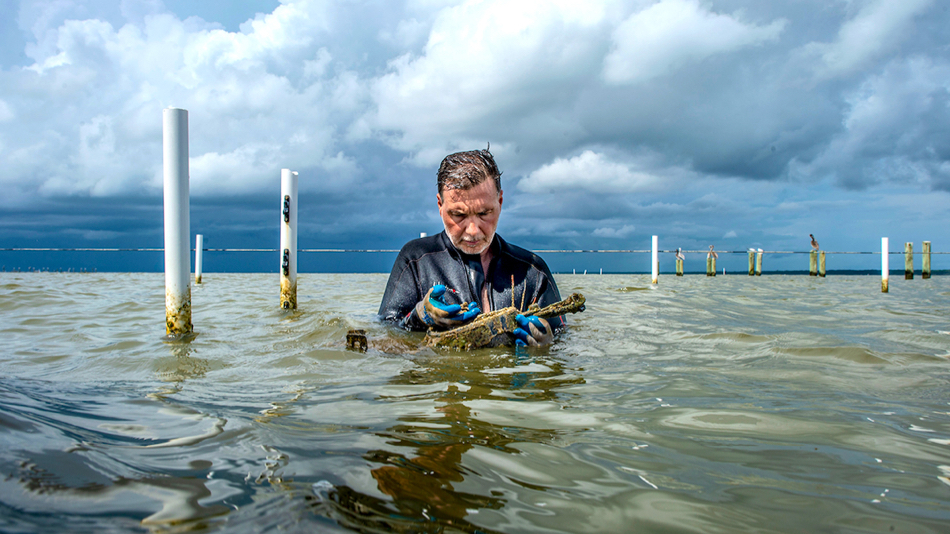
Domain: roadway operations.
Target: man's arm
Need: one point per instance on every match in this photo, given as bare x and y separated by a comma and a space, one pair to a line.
414, 305
401, 296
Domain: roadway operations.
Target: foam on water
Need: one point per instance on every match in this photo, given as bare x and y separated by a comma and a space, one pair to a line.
772, 404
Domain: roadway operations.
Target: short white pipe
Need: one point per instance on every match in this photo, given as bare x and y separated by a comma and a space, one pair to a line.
177, 222
288, 239
199, 246
885, 265
422, 234
655, 266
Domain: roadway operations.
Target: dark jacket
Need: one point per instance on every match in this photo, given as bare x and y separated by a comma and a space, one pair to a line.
432, 260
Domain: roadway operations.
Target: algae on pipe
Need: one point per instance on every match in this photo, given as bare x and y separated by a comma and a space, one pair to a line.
199, 244
288, 239
177, 222
655, 267
908, 261
885, 265
925, 268
813, 263
821, 264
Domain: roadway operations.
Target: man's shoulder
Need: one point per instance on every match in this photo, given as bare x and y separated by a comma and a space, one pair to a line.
524, 255
422, 246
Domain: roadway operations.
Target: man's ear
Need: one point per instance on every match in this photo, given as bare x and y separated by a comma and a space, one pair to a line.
501, 195
438, 200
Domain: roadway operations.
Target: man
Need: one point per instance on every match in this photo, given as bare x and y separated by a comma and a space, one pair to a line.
434, 277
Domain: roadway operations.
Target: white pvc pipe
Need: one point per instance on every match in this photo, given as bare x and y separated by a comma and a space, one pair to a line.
422, 234
288, 239
885, 265
199, 245
177, 222
655, 266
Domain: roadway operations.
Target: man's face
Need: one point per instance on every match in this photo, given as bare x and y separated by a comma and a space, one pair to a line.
470, 216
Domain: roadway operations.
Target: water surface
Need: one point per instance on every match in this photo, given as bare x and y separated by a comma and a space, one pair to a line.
772, 404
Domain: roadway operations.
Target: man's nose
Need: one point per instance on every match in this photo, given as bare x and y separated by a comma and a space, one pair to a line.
471, 227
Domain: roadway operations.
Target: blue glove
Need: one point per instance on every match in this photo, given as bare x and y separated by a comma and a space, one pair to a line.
532, 331
434, 311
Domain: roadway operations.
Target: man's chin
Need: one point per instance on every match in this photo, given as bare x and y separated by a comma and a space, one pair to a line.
473, 250
476, 248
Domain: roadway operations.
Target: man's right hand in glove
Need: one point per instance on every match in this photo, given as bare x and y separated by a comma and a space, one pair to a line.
433, 310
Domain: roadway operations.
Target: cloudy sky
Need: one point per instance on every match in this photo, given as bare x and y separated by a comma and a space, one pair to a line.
737, 123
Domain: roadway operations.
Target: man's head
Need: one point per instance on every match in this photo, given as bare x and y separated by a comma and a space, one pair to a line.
465, 170
470, 199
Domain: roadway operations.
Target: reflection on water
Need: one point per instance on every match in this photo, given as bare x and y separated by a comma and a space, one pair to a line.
423, 465
702, 405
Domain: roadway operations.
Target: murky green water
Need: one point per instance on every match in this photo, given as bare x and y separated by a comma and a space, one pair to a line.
726, 404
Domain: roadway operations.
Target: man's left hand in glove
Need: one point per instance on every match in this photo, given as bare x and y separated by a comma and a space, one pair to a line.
533, 331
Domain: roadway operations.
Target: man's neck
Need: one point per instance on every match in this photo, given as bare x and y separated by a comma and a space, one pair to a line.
486, 257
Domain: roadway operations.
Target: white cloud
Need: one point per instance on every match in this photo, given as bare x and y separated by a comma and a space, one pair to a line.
485, 61
408, 34
610, 232
589, 171
730, 234
247, 110
242, 170
671, 34
877, 28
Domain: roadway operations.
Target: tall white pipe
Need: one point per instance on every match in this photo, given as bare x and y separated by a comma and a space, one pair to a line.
199, 245
288, 239
885, 265
655, 267
177, 222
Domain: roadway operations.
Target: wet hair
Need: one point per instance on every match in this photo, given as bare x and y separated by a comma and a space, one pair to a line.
465, 170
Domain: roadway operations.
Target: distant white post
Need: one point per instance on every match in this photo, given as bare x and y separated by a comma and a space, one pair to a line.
655, 267
885, 265
177, 222
199, 245
288, 239
422, 234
